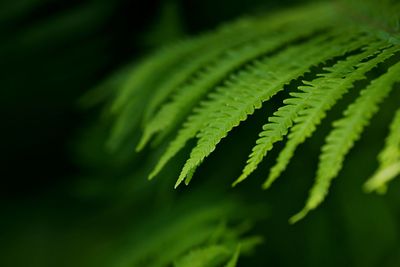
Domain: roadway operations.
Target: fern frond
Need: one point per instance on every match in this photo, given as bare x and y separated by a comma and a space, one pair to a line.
319, 96
134, 92
178, 108
252, 32
192, 64
142, 76
389, 159
213, 73
188, 97
207, 86
283, 118
249, 90
345, 133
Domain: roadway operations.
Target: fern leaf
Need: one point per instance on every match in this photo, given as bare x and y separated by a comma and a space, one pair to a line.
214, 82
299, 20
251, 32
320, 95
248, 91
346, 131
141, 78
389, 159
193, 63
283, 118
190, 128
189, 68
136, 89
187, 132
186, 97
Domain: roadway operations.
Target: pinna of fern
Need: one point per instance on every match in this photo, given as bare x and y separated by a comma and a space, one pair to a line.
208, 85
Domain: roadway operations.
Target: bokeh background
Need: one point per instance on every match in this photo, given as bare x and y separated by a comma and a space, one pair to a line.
54, 52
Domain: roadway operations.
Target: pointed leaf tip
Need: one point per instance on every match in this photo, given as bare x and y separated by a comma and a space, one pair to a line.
267, 184
150, 176
179, 181
177, 184
299, 216
239, 180
156, 170
142, 143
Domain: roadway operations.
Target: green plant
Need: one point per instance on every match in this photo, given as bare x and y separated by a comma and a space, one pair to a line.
319, 62
215, 81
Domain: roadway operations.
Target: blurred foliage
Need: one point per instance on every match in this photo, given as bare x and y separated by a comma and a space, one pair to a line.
70, 201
